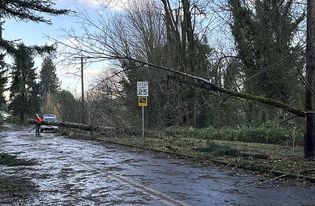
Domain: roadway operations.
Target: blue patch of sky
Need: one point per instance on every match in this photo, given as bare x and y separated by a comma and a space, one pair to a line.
31, 33
36, 33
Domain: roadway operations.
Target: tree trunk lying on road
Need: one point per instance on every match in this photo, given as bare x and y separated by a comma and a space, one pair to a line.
86, 127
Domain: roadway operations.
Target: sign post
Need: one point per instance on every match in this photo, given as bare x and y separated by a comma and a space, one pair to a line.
142, 93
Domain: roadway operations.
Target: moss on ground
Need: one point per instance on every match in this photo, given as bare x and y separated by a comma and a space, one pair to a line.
10, 185
11, 160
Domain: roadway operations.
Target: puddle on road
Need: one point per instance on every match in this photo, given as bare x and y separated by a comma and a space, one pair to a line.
79, 172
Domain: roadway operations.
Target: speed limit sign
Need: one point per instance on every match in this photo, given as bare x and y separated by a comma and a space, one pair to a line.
142, 89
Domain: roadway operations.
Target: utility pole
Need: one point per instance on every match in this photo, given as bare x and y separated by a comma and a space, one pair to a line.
1, 22
82, 85
310, 67
82, 91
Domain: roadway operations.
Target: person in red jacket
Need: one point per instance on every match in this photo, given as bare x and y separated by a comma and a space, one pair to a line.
38, 122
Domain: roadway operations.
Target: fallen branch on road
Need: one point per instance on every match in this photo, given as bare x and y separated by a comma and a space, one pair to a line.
87, 127
31, 129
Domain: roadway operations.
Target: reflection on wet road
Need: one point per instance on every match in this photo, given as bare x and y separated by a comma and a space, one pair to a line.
80, 172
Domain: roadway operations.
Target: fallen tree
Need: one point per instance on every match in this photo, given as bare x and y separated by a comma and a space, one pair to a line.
87, 127
203, 83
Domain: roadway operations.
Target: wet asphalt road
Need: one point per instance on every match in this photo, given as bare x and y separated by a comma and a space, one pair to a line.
80, 172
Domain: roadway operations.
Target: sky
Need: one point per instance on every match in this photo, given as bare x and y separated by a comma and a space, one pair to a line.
38, 34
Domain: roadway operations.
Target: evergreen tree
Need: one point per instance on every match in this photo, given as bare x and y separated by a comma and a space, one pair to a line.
3, 78
25, 10
264, 32
49, 82
24, 90
68, 107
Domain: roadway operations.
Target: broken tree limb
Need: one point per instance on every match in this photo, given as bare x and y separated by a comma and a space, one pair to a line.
31, 129
247, 96
87, 127
203, 83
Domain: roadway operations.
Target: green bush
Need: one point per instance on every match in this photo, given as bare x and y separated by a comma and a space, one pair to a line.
213, 150
263, 135
190, 132
182, 131
269, 133
224, 134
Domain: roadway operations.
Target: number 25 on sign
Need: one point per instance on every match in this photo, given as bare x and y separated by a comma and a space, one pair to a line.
142, 89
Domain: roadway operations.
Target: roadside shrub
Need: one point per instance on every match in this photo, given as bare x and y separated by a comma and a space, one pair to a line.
224, 134
263, 135
185, 132
205, 133
213, 150
269, 133
190, 132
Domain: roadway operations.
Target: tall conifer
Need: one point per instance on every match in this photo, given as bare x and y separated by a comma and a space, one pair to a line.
49, 82
24, 90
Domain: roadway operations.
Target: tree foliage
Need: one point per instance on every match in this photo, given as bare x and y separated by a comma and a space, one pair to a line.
49, 82
148, 31
24, 89
29, 10
23, 10
68, 107
264, 33
3, 78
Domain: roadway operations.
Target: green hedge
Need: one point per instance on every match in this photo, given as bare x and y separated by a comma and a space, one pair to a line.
267, 133
213, 150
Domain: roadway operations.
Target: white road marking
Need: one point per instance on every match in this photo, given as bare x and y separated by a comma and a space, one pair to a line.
167, 200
